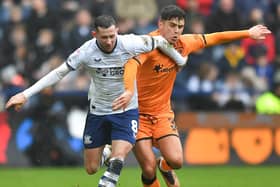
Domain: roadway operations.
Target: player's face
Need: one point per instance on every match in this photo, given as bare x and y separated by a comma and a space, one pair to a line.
171, 29
106, 37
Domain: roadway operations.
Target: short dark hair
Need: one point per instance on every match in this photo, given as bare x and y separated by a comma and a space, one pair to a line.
104, 21
172, 11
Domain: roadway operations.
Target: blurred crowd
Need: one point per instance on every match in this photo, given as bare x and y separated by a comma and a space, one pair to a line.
38, 35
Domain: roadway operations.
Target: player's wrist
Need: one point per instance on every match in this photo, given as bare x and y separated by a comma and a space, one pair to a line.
26, 94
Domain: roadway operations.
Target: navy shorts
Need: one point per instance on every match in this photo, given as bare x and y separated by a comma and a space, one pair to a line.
102, 129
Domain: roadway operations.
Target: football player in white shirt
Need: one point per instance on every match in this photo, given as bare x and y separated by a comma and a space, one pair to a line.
104, 57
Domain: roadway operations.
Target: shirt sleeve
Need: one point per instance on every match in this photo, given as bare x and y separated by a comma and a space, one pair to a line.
223, 37
131, 68
193, 42
75, 59
137, 44
130, 71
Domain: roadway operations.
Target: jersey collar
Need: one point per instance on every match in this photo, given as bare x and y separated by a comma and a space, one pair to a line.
101, 49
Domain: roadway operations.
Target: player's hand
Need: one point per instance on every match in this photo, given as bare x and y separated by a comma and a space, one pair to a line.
122, 101
259, 32
17, 101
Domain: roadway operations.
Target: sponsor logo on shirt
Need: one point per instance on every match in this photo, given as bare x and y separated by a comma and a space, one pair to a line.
97, 59
116, 71
160, 69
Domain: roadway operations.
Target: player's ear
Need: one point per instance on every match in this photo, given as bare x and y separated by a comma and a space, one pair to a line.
93, 33
117, 29
160, 23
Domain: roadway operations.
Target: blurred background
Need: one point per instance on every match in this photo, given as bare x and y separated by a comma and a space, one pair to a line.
227, 98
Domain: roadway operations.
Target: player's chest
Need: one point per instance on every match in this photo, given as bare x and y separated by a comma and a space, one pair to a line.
160, 65
99, 60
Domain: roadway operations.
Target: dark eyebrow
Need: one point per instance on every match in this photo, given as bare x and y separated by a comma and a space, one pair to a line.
180, 25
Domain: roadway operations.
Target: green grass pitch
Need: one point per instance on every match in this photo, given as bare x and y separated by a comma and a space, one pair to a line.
212, 176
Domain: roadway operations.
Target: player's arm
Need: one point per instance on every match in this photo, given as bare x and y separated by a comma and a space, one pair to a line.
130, 71
257, 32
51, 78
146, 43
169, 50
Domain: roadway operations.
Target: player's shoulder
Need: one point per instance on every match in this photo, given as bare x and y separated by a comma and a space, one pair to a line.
191, 38
89, 44
154, 33
130, 38
183, 36
126, 37
85, 49
132, 41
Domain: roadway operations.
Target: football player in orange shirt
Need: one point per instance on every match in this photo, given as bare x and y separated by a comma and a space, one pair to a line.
156, 74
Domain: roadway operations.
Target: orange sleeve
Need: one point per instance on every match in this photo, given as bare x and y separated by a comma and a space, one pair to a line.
223, 37
192, 42
130, 71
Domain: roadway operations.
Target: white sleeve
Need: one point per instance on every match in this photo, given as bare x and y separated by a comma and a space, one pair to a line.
75, 59
137, 44
169, 50
51, 78
144, 43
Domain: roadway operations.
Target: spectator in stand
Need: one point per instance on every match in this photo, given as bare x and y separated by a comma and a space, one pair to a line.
225, 17
253, 83
100, 7
13, 34
275, 25
14, 39
232, 95
275, 17
192, 15
264, 69
136, 9
204, 7
144, 26
201, 86
136, 16
246, 6
269, 102
276, 69
126, 25
44, 48
41, 17
257, 17
233, 59
16, 18
5, 11
163, 3
81, 32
